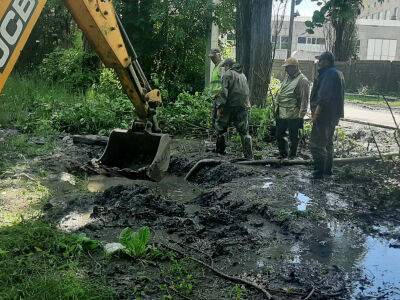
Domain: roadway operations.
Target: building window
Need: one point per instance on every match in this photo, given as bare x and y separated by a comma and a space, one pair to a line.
379, 49
388, 16
302, 40
381, 16
282, 43
396, 14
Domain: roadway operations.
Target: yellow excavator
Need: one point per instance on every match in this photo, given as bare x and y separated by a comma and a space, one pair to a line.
141, 149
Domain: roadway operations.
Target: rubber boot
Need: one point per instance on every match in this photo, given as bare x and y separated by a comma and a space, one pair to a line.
319, 169
328, 166
221, 144
247, 145
293, 149
283, 147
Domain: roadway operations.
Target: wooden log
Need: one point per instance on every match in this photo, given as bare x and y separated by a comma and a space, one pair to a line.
369, 124
97, 140
201, 164
337, 161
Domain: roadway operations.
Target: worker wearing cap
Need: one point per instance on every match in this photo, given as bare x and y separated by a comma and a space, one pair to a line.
233, 107
216, 78
327, 107
291, 104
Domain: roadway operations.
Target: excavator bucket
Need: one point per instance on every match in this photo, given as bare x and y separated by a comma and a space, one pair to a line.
142, 153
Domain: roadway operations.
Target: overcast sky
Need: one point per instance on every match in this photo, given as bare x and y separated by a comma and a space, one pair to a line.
306, 8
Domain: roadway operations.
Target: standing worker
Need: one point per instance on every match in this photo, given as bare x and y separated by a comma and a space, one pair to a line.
292, 104
327, 107
216, 79
233, 107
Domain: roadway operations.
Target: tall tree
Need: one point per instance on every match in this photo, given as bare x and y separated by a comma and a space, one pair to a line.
254, 49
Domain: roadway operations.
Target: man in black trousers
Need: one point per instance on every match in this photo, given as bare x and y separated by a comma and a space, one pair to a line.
327, 107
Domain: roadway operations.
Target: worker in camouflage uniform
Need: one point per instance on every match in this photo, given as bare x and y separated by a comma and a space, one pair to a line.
292, 104
233, 107
216, 79
327, 107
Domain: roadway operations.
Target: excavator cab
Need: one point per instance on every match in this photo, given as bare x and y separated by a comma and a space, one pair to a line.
142, 151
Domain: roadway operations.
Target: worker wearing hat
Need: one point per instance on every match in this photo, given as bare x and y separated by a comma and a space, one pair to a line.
291, 107
327, 107
216, 78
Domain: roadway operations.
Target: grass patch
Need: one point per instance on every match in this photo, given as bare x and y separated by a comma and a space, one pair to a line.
42, 108
39, 262
376, 101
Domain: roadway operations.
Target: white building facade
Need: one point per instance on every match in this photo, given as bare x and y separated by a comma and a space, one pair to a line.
387, 10
378, 40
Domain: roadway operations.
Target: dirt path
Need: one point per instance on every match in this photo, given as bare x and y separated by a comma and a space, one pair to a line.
368, 114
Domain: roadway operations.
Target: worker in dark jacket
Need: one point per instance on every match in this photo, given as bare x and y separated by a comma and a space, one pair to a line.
327, 107
233, 107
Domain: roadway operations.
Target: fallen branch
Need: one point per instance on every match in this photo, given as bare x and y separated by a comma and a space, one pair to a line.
376, 143
266, 294
397, 132
338, 161
369, 124
200, 165
97, 140
310, 294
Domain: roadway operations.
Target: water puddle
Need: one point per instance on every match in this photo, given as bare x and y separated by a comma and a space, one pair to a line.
381, 271
75, 221
302, 201
334, 202
268, 185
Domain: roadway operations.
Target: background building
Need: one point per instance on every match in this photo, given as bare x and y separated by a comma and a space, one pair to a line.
388, 10
378, 40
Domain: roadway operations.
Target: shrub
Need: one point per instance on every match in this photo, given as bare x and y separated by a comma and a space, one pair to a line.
188, 114
73, 67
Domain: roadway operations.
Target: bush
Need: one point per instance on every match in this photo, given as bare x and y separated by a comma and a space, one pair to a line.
188, 114
34, 107
72, 67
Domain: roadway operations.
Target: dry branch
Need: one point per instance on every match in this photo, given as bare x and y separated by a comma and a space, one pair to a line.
368, 124
266, 294
200, 165
90, 140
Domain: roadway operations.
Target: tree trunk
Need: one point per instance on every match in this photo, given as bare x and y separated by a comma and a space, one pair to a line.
260, 57
243, 34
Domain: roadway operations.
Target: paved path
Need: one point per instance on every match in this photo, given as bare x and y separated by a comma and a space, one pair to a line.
368, 114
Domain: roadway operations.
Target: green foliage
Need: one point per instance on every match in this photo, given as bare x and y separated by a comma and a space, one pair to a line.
54, 29
170, 40
72, 67
136, 243
77, 245
188, 113
238, 292
44, 108
33, 265
179, 278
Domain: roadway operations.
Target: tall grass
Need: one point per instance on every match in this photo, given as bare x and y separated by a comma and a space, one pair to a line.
40, 107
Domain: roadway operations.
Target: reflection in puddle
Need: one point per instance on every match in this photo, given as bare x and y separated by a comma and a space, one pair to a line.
302, 201
75, 221
267, 185
333, 200
381, 268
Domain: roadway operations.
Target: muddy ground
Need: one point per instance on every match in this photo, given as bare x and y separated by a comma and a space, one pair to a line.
339, 237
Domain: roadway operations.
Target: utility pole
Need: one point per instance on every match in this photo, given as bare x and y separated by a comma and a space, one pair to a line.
291, 25
212, 42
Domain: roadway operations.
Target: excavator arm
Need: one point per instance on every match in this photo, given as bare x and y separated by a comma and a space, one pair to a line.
100, 24
134, 148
